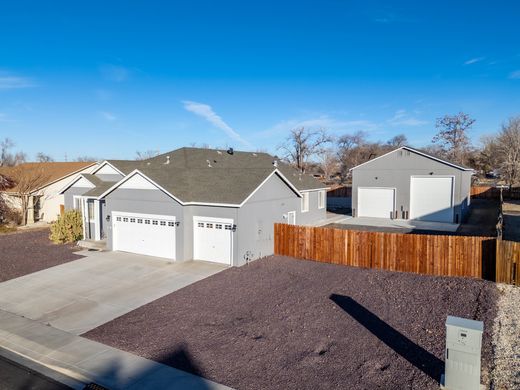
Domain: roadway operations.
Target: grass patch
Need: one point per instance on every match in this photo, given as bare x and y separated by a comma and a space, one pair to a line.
7, 229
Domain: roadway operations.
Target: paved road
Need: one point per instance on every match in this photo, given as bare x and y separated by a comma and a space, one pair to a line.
16, 377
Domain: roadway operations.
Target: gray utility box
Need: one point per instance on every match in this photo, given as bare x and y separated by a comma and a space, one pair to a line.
463, 345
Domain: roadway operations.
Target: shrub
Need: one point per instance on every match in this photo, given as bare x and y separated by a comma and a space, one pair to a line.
68, 228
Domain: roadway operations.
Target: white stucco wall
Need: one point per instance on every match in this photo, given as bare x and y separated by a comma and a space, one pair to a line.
51, 199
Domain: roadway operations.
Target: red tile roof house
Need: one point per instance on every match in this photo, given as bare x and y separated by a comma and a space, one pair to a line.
41, 183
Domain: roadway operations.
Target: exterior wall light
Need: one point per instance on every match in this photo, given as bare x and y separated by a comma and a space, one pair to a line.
107, 218
177, 223
234, 228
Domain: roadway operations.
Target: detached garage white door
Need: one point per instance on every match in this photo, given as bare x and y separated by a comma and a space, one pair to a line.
213, 239
431, 198
376, 202
145, 234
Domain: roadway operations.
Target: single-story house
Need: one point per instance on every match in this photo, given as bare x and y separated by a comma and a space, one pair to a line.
41, 183
192, 203
409, 184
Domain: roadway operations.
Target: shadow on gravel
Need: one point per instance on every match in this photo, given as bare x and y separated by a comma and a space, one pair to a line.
413, 353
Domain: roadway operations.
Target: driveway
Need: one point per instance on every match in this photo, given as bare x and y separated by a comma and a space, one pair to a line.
83, 294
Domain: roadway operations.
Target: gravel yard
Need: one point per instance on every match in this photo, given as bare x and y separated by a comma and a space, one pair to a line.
281, 323
25, 252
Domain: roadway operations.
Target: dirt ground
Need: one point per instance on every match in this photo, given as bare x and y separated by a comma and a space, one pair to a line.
25, 252
281, 323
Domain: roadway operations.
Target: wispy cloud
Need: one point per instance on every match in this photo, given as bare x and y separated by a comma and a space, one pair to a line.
206, 111
402, 118
108, 116
114, 72
9, 81
472, 61
515, 75
322, 122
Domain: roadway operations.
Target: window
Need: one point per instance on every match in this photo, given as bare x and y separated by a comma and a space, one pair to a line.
200, 224
218, 226
147, 222
209, 225
154, 222
118, 219
163, 223
171, 224
125, 219
132, 220
227, 227
139, 220
321, 199
91, 211
305, 202
77, 204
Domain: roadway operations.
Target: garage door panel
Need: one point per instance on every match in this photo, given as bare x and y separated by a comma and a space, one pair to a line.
376, 202
431, 198
213, 240
145, 234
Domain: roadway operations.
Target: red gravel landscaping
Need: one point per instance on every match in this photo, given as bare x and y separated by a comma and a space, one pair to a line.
22, 253
281, 323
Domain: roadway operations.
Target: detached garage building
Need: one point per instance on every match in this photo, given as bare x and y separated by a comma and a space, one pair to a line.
409, 184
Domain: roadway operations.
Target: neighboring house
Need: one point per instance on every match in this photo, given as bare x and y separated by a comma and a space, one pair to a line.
409, 184
202, 204
41, 183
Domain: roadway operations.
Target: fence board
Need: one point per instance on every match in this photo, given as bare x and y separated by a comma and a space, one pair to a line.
426, 254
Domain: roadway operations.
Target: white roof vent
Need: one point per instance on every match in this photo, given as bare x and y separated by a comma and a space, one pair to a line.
219, 152
167, 160
275, 163
209, 163
254, 154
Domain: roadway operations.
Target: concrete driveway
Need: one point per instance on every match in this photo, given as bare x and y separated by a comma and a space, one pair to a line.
83, 294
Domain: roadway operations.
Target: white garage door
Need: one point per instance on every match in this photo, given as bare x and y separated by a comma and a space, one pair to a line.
376, 202
145, 234
431, 198
213, 239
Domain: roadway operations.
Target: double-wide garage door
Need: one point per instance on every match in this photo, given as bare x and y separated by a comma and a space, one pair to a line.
213, 239
431, 198
145, 234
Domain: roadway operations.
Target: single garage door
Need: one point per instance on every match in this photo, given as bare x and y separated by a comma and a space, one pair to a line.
376, 202
431, 198
145, 234
213, 239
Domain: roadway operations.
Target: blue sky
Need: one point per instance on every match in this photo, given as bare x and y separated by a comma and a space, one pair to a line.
105, 79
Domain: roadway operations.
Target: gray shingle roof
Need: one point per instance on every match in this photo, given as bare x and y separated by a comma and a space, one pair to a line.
214, 176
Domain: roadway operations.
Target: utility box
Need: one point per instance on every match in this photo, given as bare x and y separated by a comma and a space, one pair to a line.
463, 350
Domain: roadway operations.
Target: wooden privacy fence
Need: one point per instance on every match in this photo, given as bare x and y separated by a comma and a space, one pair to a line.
508, 262
486, 192
418, 253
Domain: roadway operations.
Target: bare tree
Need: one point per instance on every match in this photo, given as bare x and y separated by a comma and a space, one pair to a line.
27, 180
86, 159
452, 136
329, 163
349, 151
302, 144
397, 141
5, 155
42, 157
146, 154
507, 145
5, 183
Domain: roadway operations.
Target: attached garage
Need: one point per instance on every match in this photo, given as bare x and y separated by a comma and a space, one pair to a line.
145, 234
431, 198
376, 202
213, 239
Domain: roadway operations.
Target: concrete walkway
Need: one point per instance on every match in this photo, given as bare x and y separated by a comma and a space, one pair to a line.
399, 224
81, 295
85, 361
